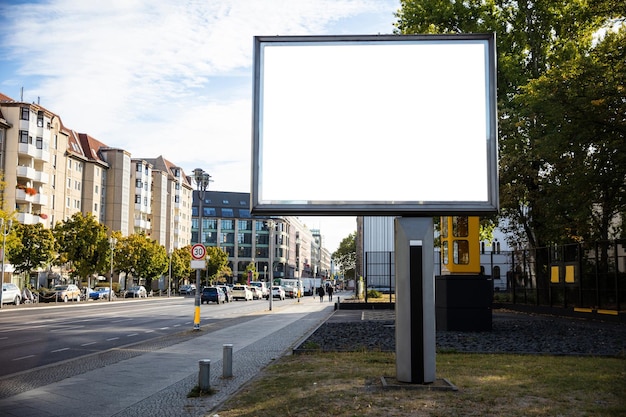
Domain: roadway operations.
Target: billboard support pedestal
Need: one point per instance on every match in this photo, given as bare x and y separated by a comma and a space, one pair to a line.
415, 300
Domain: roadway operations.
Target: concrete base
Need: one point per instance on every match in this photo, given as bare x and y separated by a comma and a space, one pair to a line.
440, 384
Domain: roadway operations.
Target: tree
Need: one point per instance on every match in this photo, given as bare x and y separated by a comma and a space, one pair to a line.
141, 257
34, 247
181, 263
217, 268
579, 109
83, 242
532, 37
345, 255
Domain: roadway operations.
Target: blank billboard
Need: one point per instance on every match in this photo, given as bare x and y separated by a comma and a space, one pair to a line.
374, 125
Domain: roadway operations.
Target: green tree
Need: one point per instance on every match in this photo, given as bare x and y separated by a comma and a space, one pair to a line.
181, 263
138, 256
83, 242
34, 247
578, 109
532, 37
345, 256
217, 268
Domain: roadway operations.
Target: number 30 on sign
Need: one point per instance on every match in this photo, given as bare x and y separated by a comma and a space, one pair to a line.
198, 251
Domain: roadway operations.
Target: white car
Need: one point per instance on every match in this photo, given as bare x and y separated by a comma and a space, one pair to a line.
278, 292
11, 294
241, 292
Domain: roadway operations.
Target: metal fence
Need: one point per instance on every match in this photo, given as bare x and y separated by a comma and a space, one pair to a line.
581, 275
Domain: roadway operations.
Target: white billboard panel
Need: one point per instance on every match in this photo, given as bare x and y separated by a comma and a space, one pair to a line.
393, 125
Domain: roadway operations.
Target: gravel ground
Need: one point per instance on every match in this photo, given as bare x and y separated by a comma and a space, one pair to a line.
512, 333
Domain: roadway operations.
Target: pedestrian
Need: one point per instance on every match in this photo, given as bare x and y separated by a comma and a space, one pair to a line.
330, 293
321, 293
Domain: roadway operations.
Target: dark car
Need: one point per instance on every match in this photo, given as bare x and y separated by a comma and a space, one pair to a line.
213, 294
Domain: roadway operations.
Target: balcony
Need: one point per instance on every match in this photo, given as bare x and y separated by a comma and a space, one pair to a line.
22, 197
32, 151
27, 218
142, 224
32, 174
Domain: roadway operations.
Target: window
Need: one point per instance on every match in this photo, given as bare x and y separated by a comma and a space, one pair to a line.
138, 167
77, 204
68, 202
208, 211
228, 225
69, 183
23, 136
225, 202
77, 185
226, 212
137, 199
96, 190
228, 238
138, 183
95, 207
209, 237
40, 119
194, 223
176, 199
244, 213
39, 142
194, 211
244, 225
145, 201
209, 224
79, 166
25, 113
69, 164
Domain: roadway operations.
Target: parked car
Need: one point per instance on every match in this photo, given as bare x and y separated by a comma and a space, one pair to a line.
262, 286
100, 293
11, 294
188, 289
212, 294
278, 292
227, 292
137, 291
291, 291
242, 292
66, 292
256, 292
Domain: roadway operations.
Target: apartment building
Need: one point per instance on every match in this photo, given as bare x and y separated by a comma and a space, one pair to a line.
52, 172
222, 219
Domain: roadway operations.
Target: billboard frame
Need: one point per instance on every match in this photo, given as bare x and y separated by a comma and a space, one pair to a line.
407, 207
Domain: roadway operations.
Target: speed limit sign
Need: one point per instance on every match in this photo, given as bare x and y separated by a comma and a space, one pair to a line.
198, 252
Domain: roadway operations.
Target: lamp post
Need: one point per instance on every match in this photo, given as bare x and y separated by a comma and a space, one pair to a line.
113, 242
6, 229
271, 225
202, 180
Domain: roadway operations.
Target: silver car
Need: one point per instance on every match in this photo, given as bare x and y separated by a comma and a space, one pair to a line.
11, 294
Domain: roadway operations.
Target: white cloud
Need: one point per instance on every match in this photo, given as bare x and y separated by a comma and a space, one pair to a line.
167, 78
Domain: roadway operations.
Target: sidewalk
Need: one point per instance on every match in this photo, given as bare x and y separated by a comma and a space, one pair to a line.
157, 383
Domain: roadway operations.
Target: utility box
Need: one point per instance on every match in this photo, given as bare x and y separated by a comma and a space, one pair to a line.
463, 302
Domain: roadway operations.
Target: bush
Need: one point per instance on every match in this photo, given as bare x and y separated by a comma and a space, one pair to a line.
374, 294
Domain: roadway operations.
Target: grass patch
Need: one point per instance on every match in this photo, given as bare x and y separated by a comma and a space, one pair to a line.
348, 385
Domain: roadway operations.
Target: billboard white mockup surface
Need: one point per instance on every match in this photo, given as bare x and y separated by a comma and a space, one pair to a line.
393, 125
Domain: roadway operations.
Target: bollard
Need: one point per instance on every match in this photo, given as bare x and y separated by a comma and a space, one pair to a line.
204, 374
227, 361
338, 302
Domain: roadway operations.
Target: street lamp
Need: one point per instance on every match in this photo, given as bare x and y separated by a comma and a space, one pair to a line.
113, 242
6, 229
271, 225
202, 180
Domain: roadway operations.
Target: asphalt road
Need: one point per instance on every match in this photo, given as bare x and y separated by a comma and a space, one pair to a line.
47, 334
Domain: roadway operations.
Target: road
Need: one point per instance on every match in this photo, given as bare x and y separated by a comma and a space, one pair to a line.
43, 335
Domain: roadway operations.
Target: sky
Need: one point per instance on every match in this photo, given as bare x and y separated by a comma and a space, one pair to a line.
167, 77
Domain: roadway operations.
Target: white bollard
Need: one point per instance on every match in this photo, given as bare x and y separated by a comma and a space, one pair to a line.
227, 361
204, 374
